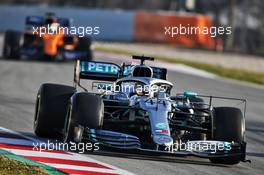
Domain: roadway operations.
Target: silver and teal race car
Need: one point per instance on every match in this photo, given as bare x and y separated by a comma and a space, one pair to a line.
133, 110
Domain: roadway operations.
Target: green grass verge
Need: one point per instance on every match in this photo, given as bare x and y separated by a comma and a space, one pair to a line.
12, 167
11, 164
237, 74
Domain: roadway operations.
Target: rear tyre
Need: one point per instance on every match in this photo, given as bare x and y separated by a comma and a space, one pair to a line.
84, 46
229, 126
12, 43
85, 110
50, 110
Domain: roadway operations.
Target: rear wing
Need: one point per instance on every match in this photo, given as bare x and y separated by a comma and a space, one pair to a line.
95, 71
38, 21
104, 71
35, 21
64, 22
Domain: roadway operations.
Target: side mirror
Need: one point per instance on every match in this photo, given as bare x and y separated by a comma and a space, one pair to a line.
190, 94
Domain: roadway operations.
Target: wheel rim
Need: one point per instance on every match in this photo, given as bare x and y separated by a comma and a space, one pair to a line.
37, 109
67, 124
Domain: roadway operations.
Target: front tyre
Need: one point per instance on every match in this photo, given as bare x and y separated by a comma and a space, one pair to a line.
50, 109
229, 126
84, 110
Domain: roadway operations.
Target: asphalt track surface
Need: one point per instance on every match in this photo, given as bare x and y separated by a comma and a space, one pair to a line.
20, 80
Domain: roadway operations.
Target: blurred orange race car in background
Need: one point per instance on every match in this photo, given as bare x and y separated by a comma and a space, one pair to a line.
45, 39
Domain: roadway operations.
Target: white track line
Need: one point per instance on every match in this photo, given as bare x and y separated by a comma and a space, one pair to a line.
47, 154
19, 134
83, 168
70, 156
121, 171
12, 141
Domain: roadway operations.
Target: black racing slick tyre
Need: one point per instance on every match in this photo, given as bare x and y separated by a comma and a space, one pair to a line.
12, 43
84, 46
85, 110
229, 125
51, 109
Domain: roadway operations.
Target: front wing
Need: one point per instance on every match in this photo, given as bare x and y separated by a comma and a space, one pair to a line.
120, 142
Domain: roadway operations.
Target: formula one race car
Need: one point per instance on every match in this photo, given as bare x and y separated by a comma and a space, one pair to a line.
134, 111
46, 38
